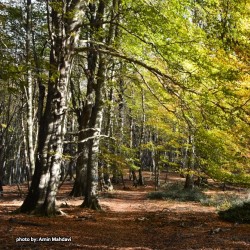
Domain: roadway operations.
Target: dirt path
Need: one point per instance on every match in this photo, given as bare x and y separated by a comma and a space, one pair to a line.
129, 221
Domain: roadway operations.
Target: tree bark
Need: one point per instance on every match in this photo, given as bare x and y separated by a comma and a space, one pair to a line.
64, 36
81, 163
189, 183
91, 193
142, 139
29, 92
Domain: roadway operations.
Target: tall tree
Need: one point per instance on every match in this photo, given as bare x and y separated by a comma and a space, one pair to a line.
29, 90
64, 20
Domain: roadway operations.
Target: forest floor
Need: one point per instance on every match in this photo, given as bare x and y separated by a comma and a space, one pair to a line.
129, 220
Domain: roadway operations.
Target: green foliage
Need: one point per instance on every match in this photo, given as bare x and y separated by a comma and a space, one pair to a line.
222, 157
240, 213
201, 50
134, 167
232, 206
114, 160
195, 44
176, 191
223, 201
121, 159
57, 6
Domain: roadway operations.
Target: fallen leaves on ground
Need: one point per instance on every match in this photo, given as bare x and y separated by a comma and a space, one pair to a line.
128, 221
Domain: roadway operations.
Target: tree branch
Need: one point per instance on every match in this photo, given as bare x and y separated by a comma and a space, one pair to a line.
89, 138
111, 51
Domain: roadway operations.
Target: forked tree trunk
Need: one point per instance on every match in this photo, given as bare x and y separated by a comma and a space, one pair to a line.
96, 80
63, 34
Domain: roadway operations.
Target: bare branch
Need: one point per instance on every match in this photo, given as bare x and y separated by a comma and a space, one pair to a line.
89, 138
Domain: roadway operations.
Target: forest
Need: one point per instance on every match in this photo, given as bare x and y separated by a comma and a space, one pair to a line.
100, 94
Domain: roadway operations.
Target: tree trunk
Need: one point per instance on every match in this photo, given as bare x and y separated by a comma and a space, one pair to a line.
109, 132
142, 139
29, 92
91, 194
96, 81
42, 193
79, 187
189, 183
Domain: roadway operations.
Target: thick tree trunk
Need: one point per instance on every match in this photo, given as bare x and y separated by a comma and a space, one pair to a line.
42, 193
81, 166
41, 197
189, 182
91, 194
96, 81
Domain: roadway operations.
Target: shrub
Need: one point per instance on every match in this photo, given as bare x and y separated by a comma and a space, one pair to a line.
176, 191
239, 213
222, 201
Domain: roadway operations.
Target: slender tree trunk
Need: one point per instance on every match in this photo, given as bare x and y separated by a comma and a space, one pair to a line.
29, 91
118, 172
25, 152
105, 172
140, 179
189, 183
86, 113
132, 174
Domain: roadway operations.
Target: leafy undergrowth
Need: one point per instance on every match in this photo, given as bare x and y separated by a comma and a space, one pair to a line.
230, 201
225, 200
176, 191
240, 213
129, 220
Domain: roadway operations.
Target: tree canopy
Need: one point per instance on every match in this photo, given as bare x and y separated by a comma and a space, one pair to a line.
94, 87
